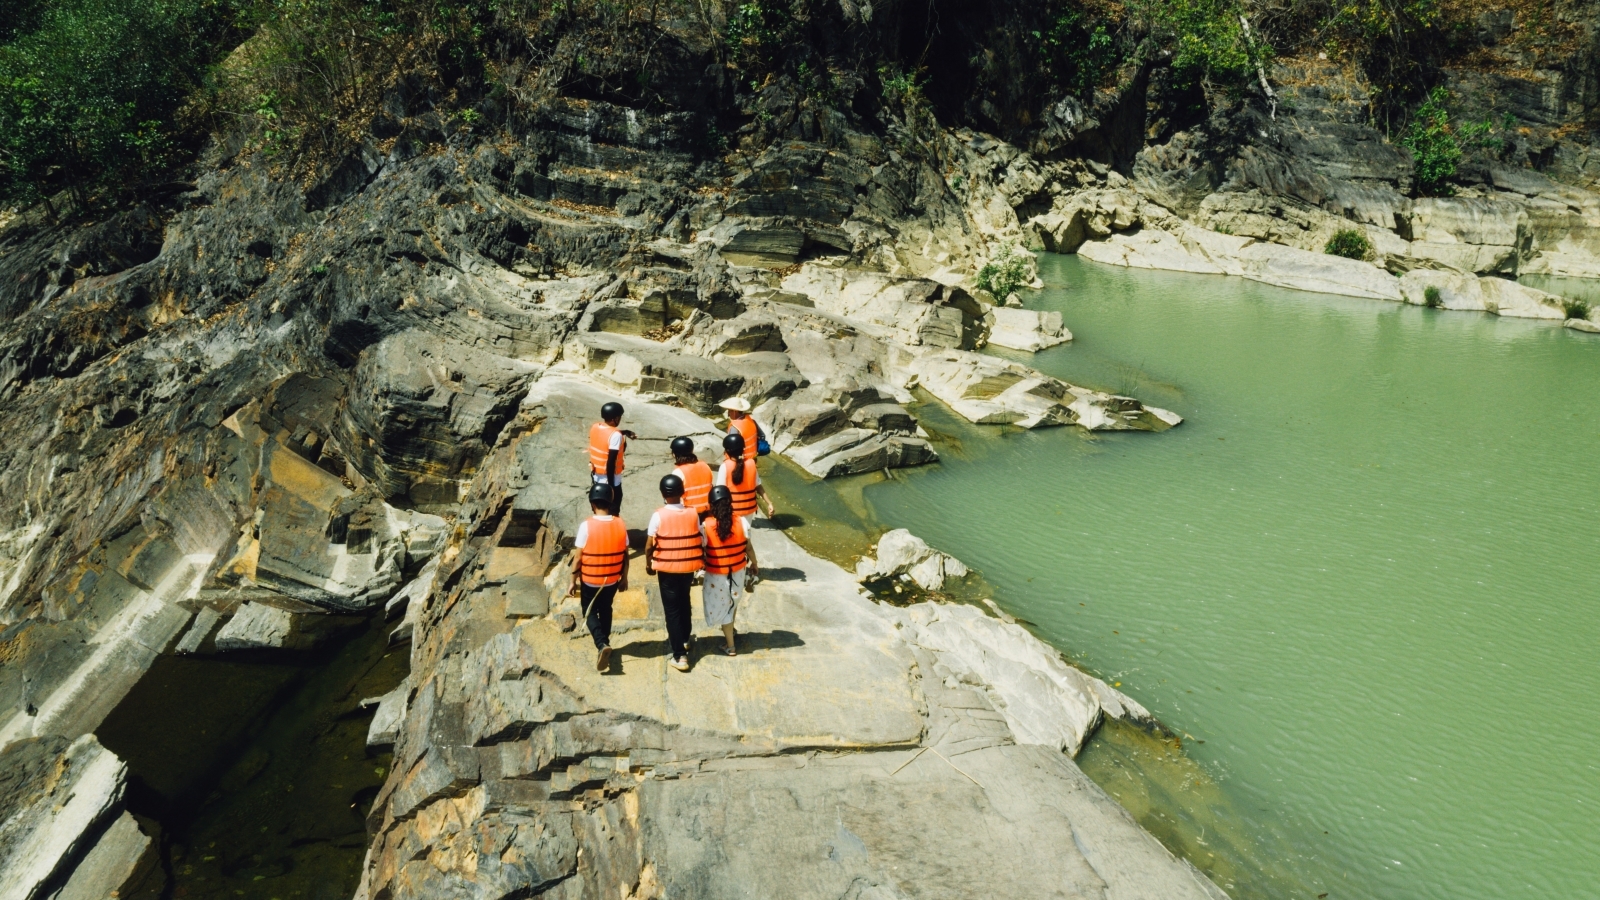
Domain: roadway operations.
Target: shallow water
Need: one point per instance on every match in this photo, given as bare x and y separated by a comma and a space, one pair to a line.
254, 768
1360, 580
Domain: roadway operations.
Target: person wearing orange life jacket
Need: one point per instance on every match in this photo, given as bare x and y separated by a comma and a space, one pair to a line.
729, 558
738, 475
740, 423
695, 474
601, 570
674, 550
607, 445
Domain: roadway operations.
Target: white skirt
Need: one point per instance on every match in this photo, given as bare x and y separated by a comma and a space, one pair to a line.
722, 594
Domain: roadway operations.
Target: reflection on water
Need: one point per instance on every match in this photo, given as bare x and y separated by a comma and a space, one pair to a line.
255, 768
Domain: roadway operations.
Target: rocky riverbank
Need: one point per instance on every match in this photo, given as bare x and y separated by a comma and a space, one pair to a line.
827, 759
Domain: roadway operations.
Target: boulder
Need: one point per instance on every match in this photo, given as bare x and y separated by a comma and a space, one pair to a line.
1461, 290
899, 552
991, 391
1148, 248
262, 626
421, 413
856, 450
913, 311
56, 796
1026, 329
649, 368
119, 855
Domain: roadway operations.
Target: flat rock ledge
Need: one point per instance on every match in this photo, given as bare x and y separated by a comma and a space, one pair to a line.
852, 749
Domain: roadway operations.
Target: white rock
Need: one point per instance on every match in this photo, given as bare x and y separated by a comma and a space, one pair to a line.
108, 866
1321, 273
1149, 248
58, 826
255, 626
903, 554
1583, 325
1044, 700
389, 717
1026, 329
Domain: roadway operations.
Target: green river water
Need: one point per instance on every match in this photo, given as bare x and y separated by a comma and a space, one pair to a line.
1360, 581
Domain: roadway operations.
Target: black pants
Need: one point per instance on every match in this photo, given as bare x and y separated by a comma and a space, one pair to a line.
597, 606
616, 500
675, 604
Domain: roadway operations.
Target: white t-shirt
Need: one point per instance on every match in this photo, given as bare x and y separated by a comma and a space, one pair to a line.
655, 522
724, 472
600, 477
583, 532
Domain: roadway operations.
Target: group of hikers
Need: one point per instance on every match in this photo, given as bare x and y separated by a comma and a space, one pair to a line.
703, 526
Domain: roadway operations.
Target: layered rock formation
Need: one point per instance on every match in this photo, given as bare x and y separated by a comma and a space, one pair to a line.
241, 416
828, 759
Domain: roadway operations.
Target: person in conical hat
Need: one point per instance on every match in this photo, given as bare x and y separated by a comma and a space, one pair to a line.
741, 423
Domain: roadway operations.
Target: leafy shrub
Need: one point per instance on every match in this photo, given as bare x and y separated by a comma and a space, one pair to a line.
1079, 49
89, 89
1433, 144
1004, 273
1431, 298
1207, 40
1575, 308
1350, 243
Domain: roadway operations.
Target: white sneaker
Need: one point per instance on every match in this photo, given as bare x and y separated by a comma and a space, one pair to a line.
681, 663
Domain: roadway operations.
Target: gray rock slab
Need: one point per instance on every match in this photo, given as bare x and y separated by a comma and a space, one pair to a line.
57, 797
107, 867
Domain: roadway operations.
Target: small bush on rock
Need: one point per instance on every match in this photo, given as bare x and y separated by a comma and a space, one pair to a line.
1433, 144
1575, 308
1350, 243
1431, 298
1005, 272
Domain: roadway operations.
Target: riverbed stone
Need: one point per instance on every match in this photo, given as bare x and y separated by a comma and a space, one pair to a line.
899, 552
1026, 329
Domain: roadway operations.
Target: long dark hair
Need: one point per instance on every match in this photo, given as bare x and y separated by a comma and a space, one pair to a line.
722, 511
738, 470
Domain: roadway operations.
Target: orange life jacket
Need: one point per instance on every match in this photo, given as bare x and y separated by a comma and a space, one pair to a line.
678, 540
605, 551
746, 427
696, 486
600, 448
724, 556
743, 490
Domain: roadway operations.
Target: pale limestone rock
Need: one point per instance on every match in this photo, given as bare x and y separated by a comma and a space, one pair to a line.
1149, 248
63, 803
1321, 273
991, 391
1583, 325
108, 866
1026, 329
899, 552
911, 311
389, 716
256, 626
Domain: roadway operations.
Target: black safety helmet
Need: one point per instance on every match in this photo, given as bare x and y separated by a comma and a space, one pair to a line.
734, 444
720, 492
682, 446
600, 493
611, 411
671, 486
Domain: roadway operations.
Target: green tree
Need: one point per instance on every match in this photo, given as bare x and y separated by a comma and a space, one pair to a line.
1433, 144
88, 92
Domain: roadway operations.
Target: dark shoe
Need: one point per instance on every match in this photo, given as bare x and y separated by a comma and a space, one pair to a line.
603, 664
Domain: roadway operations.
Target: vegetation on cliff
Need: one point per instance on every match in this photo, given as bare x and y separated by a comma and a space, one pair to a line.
98, 96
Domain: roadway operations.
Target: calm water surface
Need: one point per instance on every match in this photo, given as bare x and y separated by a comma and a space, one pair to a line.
1361, 580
